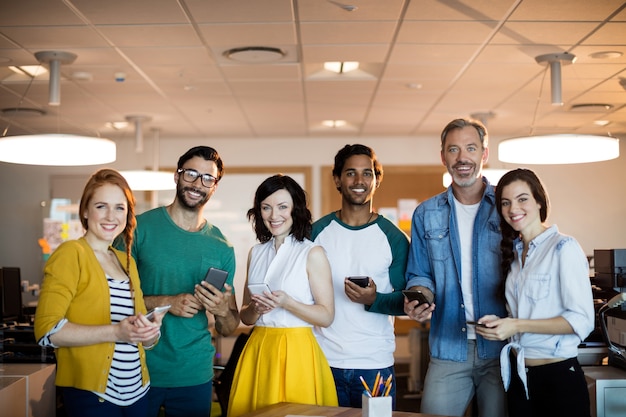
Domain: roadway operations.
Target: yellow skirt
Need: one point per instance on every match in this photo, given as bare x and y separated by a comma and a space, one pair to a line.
281, 365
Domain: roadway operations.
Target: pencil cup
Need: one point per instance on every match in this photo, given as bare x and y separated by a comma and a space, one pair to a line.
376, 406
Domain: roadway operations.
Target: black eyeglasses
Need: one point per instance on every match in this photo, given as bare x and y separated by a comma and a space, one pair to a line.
191, 175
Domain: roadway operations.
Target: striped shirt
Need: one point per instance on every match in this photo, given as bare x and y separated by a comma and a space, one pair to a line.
124, 383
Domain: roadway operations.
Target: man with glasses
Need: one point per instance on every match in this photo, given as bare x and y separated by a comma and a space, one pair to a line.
174, 247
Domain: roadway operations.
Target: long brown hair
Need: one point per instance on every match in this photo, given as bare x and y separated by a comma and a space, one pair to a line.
97, 180
508, 233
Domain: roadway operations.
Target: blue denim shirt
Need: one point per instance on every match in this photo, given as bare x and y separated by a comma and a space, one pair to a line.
435, 263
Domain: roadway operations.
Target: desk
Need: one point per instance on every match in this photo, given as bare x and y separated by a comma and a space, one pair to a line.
27, 389
284, 409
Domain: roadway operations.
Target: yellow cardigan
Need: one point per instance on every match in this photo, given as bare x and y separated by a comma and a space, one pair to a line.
75, 287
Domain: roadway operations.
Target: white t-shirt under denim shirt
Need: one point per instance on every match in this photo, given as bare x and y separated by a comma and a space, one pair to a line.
465, 214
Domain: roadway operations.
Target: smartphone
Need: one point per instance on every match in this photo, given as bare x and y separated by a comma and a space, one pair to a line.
476, 324
416, 295
216, 277
160, 309
361, 281
258, 289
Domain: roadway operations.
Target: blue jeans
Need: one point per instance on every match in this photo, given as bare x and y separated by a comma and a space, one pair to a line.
80, 403
193, 401
350, 388
450, 386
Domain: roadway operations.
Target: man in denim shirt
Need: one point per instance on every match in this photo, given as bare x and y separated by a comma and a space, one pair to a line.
454, 259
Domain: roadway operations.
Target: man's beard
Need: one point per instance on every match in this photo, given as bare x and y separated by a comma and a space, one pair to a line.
182, 198
464, 181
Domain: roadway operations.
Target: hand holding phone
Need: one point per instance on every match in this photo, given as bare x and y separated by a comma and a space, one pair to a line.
216, 277
361, 281
416, 295
150, 314
258, 289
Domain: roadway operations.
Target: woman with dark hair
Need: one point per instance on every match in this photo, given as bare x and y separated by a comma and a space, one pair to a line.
548, 294
91, 308
282, 361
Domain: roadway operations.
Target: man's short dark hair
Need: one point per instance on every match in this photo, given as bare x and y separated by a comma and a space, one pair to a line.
357, 149
206, 152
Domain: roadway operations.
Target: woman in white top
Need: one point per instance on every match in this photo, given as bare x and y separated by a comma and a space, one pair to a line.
548, 294
282, 361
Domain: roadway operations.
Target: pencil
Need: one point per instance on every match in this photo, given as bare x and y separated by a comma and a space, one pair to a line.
367, 389
388, 389
376, 385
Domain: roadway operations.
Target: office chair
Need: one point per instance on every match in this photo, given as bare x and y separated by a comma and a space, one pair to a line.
224, 380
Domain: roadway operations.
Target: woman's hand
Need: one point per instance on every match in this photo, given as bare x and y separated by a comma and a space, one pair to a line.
138, 329
266, 302
492, 327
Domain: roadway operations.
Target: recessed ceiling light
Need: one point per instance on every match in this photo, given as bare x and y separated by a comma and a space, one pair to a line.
341, 67
30, 70
606, 55
117, 125
601, 122
334, 123
254, 54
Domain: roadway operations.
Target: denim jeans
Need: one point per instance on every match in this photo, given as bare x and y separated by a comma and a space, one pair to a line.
80, 403
350, 388
193, 401
450, 386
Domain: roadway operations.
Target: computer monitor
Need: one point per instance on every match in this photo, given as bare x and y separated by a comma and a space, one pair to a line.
11, 291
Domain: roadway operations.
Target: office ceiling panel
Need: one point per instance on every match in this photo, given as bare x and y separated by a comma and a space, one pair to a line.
422, 63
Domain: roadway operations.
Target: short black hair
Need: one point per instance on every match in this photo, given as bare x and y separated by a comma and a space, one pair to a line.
206, 152
357, 149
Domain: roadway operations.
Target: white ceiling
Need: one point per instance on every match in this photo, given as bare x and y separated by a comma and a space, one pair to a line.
423, 63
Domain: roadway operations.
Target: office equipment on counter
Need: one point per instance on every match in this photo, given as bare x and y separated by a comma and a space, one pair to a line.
18, 345
614, 335
610, 269
10, 294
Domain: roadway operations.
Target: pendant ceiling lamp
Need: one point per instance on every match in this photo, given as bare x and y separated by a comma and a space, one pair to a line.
146, 180
54, 59
557, 149
137, 121
555, 61
150, 180
56, 149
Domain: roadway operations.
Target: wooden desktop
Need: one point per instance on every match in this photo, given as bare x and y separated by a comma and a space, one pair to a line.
293, 409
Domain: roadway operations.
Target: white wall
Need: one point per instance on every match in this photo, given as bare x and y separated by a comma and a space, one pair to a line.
588, 200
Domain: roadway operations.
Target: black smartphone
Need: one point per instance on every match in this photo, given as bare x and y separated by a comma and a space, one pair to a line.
416, 295
361, 281
477, 324
216, 277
